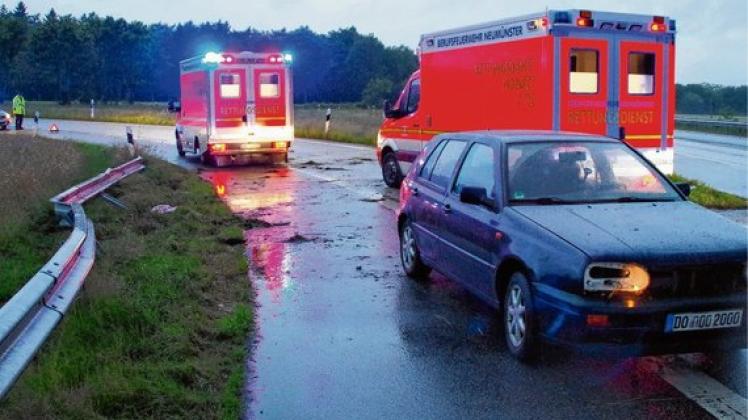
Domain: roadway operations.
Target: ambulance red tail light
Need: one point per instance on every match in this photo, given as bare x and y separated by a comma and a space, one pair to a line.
585, 19
217, 147
658, 24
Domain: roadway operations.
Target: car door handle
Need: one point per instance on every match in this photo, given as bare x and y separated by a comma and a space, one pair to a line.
447, 208
415, 191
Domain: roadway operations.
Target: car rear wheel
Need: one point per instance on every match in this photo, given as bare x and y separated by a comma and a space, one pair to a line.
410, 256
519, 325
391, 170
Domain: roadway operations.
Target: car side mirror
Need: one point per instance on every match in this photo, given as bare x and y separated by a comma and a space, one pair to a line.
174, 106
476, 196
389, 112
684, 187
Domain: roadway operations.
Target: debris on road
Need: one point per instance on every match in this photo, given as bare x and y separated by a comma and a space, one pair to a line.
163, 209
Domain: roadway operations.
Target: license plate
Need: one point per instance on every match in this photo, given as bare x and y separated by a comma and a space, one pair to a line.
703, 320
250, 146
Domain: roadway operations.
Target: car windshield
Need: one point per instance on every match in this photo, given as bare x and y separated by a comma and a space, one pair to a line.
581, 172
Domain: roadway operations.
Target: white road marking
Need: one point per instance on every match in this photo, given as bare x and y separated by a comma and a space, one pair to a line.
717, 399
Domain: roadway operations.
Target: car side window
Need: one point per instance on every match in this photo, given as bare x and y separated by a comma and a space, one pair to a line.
414, 96
445, 164
478, 170
431, 160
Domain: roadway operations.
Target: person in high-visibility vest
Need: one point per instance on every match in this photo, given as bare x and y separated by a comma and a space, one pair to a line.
19, 110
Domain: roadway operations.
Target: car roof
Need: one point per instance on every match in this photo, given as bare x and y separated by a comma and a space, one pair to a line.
519, 136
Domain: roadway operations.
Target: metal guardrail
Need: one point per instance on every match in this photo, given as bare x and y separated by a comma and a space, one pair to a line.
709, 122
31, 315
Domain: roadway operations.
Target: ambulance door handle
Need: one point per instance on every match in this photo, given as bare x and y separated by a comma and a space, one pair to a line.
416, 125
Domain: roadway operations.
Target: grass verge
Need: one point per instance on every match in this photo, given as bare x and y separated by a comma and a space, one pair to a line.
137, 113
160, 328
707, 196
32, 170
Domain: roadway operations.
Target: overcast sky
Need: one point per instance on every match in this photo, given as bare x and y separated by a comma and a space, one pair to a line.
712, 35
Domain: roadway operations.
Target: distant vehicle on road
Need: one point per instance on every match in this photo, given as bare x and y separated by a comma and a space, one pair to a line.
235, 106
5, 120
577, 239
594, 72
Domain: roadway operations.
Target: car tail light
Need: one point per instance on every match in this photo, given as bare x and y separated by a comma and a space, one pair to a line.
217, 147
598, 320
280, 145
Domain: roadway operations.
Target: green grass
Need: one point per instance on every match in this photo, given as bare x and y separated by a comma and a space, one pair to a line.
137, 113
32, 170
349, 124
707, 196
160, 329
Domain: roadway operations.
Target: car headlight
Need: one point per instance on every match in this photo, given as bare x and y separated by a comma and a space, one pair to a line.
615, 277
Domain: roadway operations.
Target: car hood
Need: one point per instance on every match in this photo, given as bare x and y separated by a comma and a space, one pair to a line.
677, 232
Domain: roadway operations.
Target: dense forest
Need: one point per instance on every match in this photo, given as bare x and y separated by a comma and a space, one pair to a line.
66, 58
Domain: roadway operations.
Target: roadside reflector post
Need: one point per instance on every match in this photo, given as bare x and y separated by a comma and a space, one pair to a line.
92, 108
328, 117
130, 141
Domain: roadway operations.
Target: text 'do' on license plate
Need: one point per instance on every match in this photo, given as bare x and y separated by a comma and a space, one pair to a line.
703, 320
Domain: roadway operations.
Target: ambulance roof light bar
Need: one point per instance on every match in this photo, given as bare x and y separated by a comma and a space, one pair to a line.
217, 58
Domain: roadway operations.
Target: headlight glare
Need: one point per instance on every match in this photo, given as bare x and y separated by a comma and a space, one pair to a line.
615, 277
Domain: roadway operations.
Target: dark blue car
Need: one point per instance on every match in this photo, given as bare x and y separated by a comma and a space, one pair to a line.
578, 240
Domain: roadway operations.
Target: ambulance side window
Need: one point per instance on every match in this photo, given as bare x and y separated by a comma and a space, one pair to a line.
641, 73
269, 85
414, 96
230, 85
583, 71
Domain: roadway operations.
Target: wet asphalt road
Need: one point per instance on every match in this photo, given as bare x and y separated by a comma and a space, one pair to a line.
342, 333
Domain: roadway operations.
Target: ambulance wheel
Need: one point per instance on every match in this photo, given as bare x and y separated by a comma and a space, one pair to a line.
206, 159
180, 148
391, 170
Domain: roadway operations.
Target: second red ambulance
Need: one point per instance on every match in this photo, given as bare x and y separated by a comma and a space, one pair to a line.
235, 106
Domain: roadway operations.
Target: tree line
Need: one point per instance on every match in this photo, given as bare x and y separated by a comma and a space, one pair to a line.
66, 58
705, 98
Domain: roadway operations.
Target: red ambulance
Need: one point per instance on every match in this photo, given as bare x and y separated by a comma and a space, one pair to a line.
235, 106
570, 70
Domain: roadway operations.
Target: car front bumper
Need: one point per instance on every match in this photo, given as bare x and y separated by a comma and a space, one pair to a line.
635, 326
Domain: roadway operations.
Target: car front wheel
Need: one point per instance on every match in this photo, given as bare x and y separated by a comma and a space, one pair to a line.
519, 325
410, 256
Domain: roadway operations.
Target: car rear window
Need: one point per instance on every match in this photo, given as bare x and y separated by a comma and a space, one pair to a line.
446, 162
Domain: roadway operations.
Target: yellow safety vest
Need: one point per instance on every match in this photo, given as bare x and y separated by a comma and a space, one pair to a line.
19, 105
